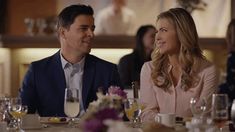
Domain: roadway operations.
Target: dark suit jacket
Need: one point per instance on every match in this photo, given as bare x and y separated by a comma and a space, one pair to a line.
44, 84
228, 87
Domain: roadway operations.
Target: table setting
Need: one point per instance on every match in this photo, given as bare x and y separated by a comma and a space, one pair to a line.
106, 114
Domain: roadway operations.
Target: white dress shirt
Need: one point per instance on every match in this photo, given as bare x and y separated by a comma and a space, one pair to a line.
73, 75
110, 23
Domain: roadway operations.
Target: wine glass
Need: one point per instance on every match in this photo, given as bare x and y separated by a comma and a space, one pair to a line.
220, 110
71, 104
133, 109
233, 112
198, 107
29, 23
41, 25
3, 108
17, 110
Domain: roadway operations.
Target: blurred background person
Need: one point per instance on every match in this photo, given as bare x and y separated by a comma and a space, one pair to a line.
228, 86
178, 70
116, 19
130, 65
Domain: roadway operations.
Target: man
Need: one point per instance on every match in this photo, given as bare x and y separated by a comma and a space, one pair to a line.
116, 19
72, 67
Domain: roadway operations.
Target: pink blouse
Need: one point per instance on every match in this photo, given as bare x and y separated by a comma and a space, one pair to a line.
177, 100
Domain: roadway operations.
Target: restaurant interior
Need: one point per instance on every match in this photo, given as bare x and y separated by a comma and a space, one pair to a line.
28, 33
19, 46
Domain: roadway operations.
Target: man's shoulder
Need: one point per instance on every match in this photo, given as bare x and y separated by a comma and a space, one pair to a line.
44, 61
99, 61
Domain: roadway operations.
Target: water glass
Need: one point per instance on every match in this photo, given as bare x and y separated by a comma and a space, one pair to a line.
220, 110
198, 107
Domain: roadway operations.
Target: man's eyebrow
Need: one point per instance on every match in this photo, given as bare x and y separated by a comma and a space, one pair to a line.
86, 26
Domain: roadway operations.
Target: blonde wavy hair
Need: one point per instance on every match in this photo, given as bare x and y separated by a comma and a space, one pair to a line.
190, 53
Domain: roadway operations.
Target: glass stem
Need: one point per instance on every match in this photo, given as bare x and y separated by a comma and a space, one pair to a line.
19, 123
71, 122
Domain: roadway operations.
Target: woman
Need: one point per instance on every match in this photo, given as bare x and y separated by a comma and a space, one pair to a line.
178, 70
130, 65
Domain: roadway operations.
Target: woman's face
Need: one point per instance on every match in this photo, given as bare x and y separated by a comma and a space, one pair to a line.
149, 38
166, 37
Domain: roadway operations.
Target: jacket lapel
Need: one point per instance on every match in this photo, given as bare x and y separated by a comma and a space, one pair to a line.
59, 77
88, 78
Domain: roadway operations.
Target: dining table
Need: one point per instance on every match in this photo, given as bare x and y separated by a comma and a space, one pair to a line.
43, 124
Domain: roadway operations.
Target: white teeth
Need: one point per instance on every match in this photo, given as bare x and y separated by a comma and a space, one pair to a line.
86, 42
160, 44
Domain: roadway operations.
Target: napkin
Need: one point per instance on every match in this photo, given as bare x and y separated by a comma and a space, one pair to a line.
31, 121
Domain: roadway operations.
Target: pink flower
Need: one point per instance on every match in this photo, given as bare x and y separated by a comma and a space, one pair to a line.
115, 90
96, 123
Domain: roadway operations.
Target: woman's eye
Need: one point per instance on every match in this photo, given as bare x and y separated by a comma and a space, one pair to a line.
163, 30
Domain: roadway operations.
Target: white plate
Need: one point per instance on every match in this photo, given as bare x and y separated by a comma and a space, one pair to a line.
46, 120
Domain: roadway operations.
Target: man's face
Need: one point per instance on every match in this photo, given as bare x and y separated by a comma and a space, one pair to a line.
79, 36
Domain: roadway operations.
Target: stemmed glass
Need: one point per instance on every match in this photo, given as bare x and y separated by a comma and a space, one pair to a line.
17, 110
220, 110
4, 102
29, 22
199, 110
233, 112
133, 109
41, 25
198, 107
71, 104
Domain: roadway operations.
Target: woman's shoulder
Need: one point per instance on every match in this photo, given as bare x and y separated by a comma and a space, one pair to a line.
207, 66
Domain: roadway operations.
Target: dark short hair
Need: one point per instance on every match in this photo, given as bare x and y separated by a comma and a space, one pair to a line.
68, 14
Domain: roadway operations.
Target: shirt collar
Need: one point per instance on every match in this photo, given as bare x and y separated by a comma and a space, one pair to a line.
66, 64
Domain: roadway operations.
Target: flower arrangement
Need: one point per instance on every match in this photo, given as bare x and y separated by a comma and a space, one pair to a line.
106, 107
116, 92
